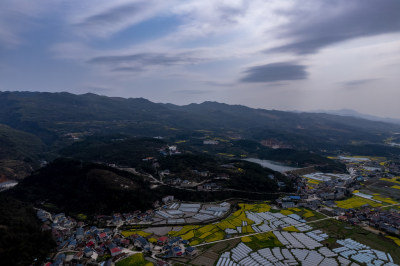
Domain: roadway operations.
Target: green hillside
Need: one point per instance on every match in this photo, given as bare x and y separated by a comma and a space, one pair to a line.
19, 152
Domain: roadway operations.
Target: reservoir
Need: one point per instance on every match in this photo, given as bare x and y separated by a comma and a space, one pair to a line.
271, 164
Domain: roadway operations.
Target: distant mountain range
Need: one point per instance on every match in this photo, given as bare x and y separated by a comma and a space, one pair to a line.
353, 113
46, 123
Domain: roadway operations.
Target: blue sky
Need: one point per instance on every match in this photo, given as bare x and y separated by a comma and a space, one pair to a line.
273, 54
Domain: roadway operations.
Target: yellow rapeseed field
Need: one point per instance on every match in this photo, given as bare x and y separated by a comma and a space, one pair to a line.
205, 235
246, 239
134, 232
188, 235
184, 230
308, 213
395, 239
207, 228
386, 200
291, 229
393, 180
356, 202
215, 237
286, 212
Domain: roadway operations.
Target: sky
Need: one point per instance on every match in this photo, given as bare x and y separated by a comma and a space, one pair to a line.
273, 54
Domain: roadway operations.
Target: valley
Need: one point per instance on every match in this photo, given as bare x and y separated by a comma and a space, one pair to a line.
167, 184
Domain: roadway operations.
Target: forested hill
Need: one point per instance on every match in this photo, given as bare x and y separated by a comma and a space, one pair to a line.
19, 153
50, 115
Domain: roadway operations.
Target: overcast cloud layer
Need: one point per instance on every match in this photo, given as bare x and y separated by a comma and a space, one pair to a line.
273, 54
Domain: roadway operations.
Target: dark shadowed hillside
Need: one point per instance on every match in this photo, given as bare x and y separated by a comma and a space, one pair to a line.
76, 187
19, 152
21, 240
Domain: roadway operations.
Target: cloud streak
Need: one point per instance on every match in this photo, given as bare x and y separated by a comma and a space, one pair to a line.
275, 72
358, 82
139, 62
117, 17
330, 22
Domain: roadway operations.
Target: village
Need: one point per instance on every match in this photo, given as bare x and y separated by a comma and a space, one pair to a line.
175, 231
81, 244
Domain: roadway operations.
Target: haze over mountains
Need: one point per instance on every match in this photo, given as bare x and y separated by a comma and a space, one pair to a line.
350, 112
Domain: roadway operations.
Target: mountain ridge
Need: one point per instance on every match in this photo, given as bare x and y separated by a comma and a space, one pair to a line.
55, 117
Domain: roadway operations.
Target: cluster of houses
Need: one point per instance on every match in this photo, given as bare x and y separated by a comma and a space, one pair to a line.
212, 183
385, 220
169, 150
78, 243
173, 247
365, 168
130, 218
324, 193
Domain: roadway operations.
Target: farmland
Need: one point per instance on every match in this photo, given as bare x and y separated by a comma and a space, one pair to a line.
212, 232
134, 260
356, 202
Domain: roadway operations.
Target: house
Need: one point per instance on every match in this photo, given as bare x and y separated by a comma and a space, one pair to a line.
142, 243
174, 241
288, 204
79, 233
295, 198
177, 251
90, 243
327, 196
72, 244
210, 142
59, 259
191, 251
88, 252
78, 255
162, 240
102, 236
167, 199
94, 256
115, 251
125, 242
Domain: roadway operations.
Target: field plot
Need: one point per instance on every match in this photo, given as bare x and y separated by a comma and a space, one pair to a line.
237, 223
290, 248
356, 202
180, 213
135, 232
395, 180
136, 259
395, 239
342, 230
